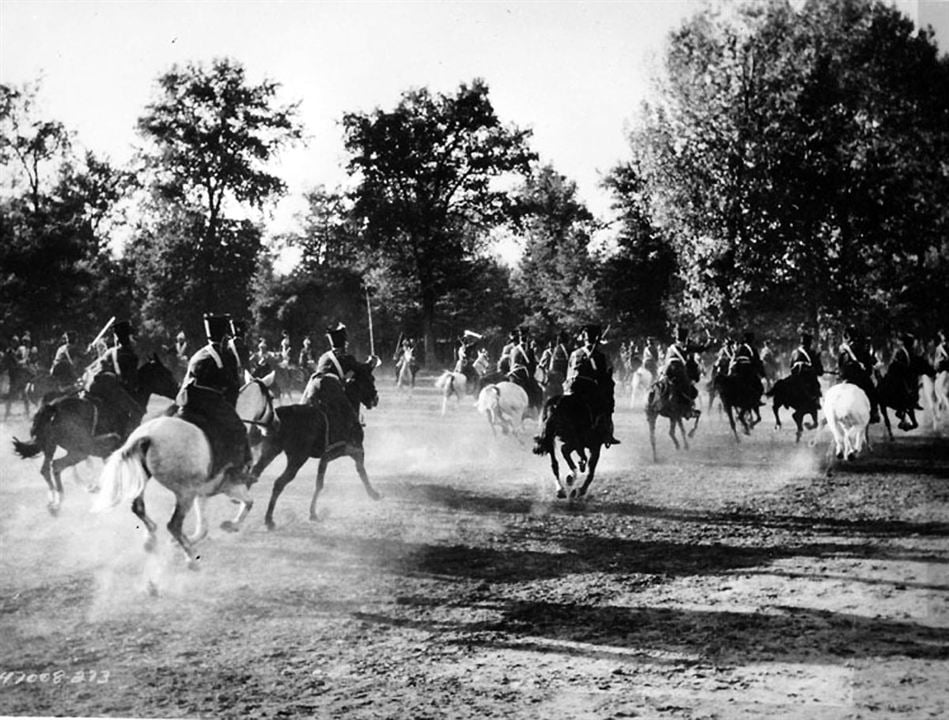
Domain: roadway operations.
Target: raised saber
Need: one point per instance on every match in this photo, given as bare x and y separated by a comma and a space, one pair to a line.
102, 332
372, 342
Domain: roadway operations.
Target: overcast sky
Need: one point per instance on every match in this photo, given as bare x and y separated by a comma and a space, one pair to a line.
573, 72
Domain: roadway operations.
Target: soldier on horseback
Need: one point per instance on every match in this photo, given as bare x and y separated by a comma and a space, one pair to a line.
902, 367
114, 379
590, 376
261, 360
465, 355
285, 350
334, 368
524, 366
307, 358
650, 356
504, 359
746, 364
854, 365
680, 371
806, 364
63, 369
207, 398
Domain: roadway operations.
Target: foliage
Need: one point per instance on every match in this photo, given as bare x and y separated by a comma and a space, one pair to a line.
428, 189
796, 161
556, 277
211, 134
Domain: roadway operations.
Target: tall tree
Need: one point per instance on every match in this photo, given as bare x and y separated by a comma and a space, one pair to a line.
794, 157
427, 189
556, 277
210, 134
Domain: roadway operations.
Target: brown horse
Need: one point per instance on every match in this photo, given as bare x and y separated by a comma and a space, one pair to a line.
83, 427
569, 420
673, 406
303, 431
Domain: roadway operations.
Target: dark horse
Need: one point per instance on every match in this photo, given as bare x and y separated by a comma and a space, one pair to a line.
741, 398
75, 424
674, 406
569, 419
793, 392
895, 390
302, 431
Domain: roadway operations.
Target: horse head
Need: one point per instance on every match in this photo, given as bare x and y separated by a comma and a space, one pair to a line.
255, 402
362, 387
154, 377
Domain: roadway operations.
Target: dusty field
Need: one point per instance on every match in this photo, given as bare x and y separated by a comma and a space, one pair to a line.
723, 582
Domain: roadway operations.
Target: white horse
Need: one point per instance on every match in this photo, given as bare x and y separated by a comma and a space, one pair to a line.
408, 367
847, 412
178, 455
640, 382
937, 393
455, 384
505, 405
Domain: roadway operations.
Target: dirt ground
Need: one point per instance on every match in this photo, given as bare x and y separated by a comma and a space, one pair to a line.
729, 581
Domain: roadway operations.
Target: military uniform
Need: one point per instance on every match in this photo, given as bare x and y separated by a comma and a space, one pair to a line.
333, 368
590, 376
854, 365
208, 396
806, 364
63, 369
114, 381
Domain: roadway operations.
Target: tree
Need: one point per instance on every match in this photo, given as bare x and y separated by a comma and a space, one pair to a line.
428, 188
556, 277
795, 162
638, 280
211, 134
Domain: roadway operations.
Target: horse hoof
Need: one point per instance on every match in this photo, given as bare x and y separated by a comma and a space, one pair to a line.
374, 495
569, 479
561, 495
271, 525
150, 544
53, 509
230, 526
151, 588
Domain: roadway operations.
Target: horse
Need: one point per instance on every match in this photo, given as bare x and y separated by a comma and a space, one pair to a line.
938, 395
568, 419
288, 379
640, 381
457, 385
408, 368
674, 406
302, 432
505, 405
70, 422
178, 455
742, 398
793, 392
847, 412
43, 388
891, 393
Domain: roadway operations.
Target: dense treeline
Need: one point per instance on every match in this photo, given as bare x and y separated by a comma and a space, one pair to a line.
790, 168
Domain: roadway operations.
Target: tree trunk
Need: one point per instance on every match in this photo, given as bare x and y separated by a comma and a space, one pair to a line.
428, 328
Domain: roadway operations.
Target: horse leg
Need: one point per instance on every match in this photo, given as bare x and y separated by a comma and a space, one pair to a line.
731, 421
320, 477
685, 439
175, 527
799, 422
775, 408
591, 471
72, 457
294, 463
240, 494
886, 420
359, 457
138, 508
555, 467
672, 432
696, 414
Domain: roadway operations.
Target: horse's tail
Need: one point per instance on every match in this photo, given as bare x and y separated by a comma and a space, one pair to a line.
124, 474
489, 399
443, 380
41, 422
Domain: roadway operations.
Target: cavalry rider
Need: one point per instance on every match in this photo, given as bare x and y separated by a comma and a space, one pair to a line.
806, 364
114, 380
855, 365
559, 359
651, 356
901, 366
63, 369
464, 355
504, 359
746, 364
333, 369
285, 350
523, 367
27, 355
590, 377
181, 347
941, 354
239, 347
679, 370
260, 361
307, 357
207, 398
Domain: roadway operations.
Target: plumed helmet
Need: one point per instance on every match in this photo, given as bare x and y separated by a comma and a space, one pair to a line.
217, 327
336, 334
592, 332
123, 330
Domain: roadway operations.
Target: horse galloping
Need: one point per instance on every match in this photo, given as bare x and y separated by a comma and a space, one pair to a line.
82, 426
670, 403
568, 420
640, 381
792, 392
505, 405
847, 413
895, 390
741, 398
303, 432
178, 455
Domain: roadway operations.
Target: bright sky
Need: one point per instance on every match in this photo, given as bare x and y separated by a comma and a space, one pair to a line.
573, 72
